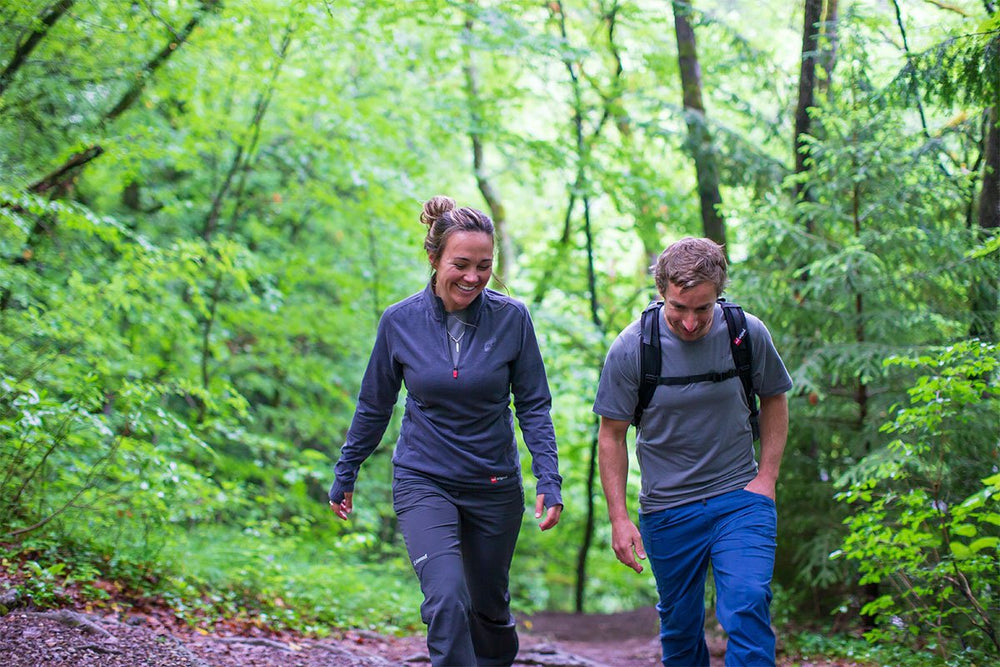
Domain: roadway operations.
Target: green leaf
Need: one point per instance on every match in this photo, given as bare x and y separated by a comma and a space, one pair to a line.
965, 530
960, 551
984, 543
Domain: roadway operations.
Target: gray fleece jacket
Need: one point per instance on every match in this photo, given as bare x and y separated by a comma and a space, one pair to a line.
457, 424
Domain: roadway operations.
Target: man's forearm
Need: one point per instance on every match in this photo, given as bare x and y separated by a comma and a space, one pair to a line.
613, 465
773, 435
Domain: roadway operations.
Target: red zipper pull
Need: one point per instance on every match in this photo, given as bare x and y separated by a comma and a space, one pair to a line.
454, 372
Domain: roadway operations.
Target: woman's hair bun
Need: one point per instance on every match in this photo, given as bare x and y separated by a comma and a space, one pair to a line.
435, 207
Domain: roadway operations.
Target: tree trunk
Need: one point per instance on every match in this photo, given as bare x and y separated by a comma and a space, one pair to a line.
699, 138
985, 289
580, 189
828, 51
807, 96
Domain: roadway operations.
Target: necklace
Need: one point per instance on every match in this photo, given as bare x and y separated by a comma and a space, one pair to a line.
460, 336
456, 341
455, 324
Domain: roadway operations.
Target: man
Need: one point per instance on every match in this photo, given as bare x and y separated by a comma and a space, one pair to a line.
704, 499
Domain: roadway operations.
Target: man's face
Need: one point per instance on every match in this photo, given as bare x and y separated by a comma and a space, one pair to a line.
689, 312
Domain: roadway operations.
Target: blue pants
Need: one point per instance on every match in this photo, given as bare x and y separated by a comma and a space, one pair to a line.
461, 544
736, 532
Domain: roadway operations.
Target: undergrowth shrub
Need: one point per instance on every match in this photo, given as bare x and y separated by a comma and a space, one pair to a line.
925, 526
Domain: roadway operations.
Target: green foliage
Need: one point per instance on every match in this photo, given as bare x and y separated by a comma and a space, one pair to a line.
41, 586
804, 648
83, 422
961, 69
867, 266
289, 578
926, 508
199, 231
49, 572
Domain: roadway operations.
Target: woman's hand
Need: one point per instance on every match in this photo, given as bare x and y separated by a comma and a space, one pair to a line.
345, 507
551, 515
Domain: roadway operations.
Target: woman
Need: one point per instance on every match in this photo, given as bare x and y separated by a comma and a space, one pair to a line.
462, 350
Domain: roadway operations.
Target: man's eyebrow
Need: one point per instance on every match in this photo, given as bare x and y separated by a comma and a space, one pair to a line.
676, 303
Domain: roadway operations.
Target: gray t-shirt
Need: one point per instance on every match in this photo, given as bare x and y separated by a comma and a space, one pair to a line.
694, 441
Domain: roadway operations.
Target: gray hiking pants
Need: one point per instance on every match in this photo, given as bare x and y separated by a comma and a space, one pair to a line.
461, 544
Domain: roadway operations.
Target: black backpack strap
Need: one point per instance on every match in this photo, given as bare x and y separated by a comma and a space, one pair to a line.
739, 345
649, 357
678, 380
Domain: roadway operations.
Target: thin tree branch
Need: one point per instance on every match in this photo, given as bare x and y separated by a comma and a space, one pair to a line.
237, 163
144, 75
23, 50
985, 624
59, 176
579, 185
947, 6
255, 125
55, 179
909, 58
166, 24
85, 486
14, 462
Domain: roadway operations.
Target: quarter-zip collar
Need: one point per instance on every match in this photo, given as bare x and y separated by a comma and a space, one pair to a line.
436, 307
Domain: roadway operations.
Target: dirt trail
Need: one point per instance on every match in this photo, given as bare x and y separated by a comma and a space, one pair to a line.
71, 638
66, 638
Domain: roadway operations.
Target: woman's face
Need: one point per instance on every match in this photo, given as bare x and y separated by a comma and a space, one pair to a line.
464, 267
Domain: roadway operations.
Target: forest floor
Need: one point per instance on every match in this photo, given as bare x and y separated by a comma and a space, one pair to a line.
150, 635
67, 638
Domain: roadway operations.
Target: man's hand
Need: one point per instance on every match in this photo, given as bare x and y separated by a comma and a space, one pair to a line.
760, 486
345, 507
627, 543
612, 458
773, 435
551, 515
